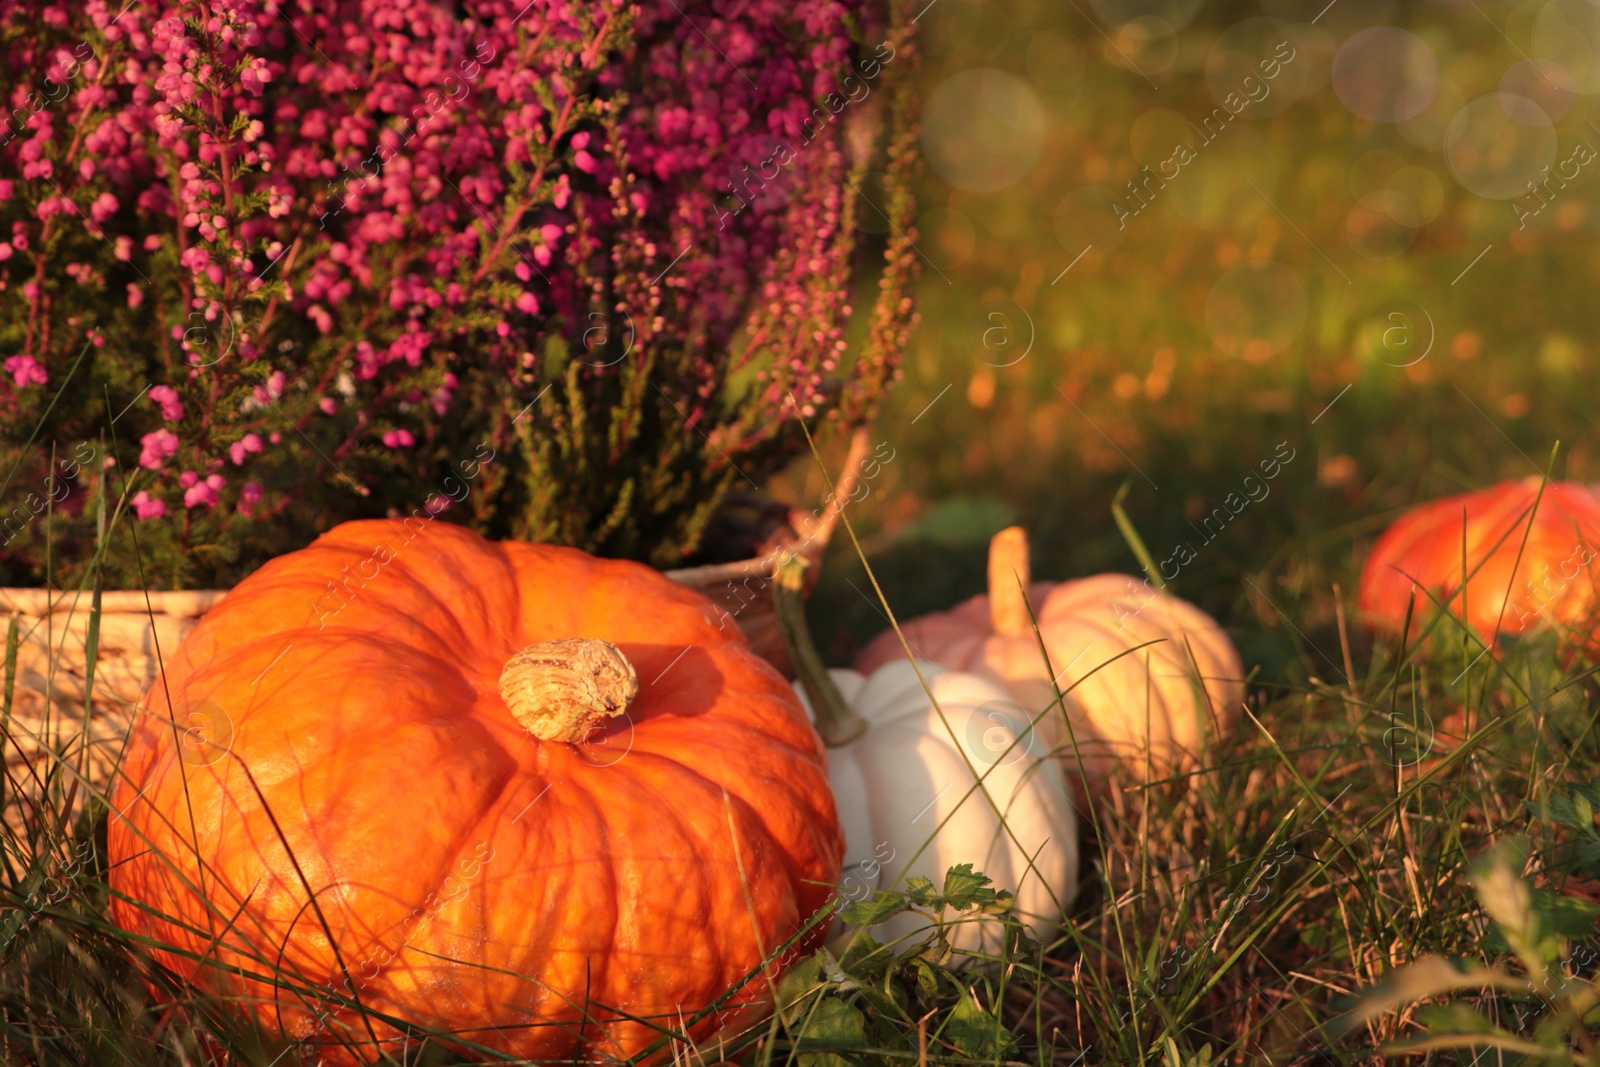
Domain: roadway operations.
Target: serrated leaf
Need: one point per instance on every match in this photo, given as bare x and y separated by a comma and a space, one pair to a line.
886, 1035
992, 903
927, 981
882, 1002
975, 1031
863, 955
874, 910
801, 980
1582, 812
964, 887
1567, 916
1560, 810
836, 1027
920, 891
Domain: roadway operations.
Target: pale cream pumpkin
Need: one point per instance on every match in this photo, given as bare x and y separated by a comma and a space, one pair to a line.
1150, 680
905, 763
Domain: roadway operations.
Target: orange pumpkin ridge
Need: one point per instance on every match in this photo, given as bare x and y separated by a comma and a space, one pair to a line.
475, 877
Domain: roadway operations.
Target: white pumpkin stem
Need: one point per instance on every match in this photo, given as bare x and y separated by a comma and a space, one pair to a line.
1008, 582
563, 690
837, 722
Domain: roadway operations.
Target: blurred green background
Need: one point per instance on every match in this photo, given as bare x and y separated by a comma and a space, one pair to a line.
1398, 223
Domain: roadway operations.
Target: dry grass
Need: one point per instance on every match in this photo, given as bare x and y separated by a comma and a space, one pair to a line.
1230, 915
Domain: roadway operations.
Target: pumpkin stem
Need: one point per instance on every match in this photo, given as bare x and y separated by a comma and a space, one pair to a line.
837, 722
1008, 580
562, 690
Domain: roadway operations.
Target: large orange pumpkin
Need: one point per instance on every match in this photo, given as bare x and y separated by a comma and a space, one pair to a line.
1422, 553
1150, 679
363, 786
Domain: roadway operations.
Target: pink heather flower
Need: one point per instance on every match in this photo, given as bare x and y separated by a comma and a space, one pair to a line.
255, 77
54, 205
166, 398
273, 389
322, 114
247, 445
5, 250
441, 396
204, 494
26, 371
188, 478
104, 206
249, 496
145, 507
156, 448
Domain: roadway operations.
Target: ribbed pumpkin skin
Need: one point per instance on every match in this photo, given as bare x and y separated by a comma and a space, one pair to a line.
1122, 712
647, 872
1423, 548
910, 804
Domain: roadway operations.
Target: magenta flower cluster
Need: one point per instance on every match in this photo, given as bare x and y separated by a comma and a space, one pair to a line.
318, 231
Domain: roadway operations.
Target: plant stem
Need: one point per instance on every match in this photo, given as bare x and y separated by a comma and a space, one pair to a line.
837, 722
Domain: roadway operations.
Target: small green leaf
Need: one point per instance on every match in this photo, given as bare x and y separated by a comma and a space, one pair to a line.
976, 1031
835, 1027
960, 520
963, 887
864, 956
873, 910
1453, 1018
927, 981
1582, 812
803, 979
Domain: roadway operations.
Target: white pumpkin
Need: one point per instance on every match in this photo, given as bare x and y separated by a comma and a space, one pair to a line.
908, 803
1159, 706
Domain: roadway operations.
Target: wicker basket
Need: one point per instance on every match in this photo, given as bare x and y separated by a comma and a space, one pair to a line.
138, 630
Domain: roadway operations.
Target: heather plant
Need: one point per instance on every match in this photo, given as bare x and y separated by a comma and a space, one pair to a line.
285, 265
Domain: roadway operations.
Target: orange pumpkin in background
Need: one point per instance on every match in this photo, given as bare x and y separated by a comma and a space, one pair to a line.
1554, 581
1152, 709
510, 791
